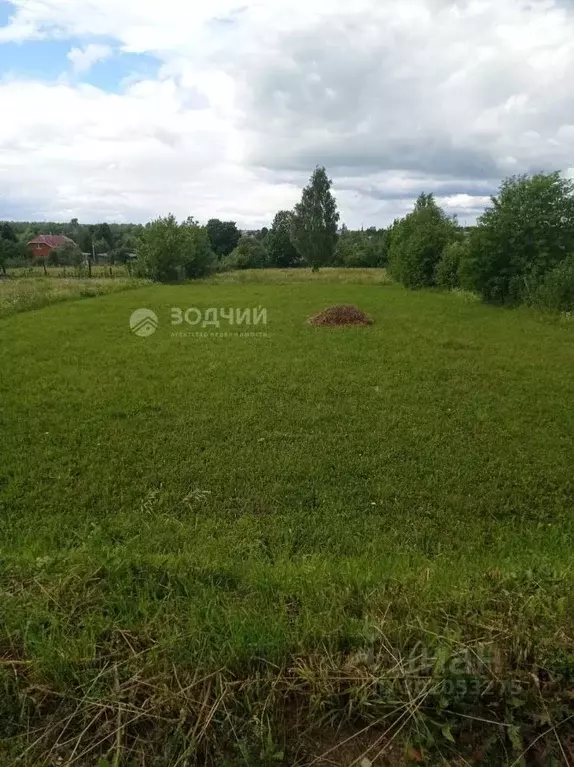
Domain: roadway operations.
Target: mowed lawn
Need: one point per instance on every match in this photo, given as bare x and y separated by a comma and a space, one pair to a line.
191, 504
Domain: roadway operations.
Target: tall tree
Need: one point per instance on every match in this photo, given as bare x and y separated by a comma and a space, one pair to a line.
417, 243
282, 252
314, 221
223, 235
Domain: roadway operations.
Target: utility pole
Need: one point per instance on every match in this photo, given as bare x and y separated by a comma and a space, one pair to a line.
93, 256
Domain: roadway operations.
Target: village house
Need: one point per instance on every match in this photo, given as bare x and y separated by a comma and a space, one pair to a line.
42, 245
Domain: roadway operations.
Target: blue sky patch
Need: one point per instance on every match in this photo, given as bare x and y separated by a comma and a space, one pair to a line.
46, 60
6, 11
110, 74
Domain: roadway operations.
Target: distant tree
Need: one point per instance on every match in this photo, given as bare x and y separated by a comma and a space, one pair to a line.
7, 232
6, 250
314, 221
126, 244
169, 251
99, 246
250, 253
364, 249
10, 248
103, 232
282, 252
223, 235
418, 241
528, 232
82, 237
67, 254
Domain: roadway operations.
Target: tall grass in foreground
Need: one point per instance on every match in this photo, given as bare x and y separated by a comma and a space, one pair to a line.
25, 293
69, 272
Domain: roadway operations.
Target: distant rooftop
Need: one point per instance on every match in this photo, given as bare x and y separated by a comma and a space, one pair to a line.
53, 240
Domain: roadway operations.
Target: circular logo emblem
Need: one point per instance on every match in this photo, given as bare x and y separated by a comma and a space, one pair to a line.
144, 323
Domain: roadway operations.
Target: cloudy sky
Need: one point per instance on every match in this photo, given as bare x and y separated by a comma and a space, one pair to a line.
124, 110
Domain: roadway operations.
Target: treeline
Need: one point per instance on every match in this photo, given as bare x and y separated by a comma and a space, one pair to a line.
308, 235
520, 252
114, 241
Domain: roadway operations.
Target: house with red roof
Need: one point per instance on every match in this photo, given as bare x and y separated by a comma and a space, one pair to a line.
42, 245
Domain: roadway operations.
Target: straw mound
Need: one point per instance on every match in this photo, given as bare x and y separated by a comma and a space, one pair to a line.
341, 315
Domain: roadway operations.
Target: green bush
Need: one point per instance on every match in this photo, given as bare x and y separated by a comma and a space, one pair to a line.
418, 241
13, 254
67, 254
556, 291
169, 251
250, 253
525, 235
359, 250
448, 268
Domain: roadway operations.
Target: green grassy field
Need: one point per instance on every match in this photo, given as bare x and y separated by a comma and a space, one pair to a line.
251, 550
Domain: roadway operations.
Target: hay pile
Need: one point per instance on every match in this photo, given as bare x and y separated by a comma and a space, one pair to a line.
341, 315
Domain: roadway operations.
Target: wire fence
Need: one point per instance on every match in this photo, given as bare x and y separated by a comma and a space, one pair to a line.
71, 272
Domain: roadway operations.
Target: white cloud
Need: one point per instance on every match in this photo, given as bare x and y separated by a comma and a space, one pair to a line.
396, 97
83, 59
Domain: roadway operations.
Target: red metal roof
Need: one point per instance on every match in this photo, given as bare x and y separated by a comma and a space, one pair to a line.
52, 240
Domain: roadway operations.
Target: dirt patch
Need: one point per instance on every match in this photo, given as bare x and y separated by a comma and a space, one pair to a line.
341, 315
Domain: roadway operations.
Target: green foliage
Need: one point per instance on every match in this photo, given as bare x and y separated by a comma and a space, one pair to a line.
418, 241
223, 236
12, 253
99, 245
556, 289
7, 232
282, 253
526, 233
169, 251
67, 254
364, 249
447, 269
103, 233
314, 221
81, 235
115, 236
250, 253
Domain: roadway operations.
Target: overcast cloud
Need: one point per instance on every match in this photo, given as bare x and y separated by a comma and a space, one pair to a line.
244, 98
